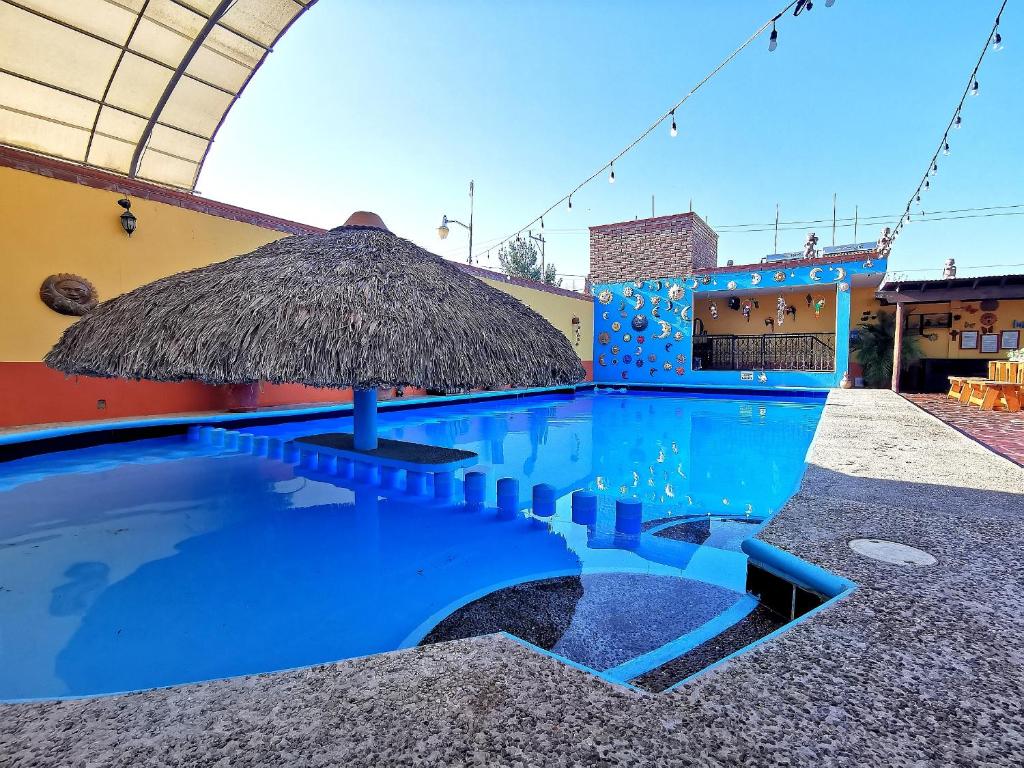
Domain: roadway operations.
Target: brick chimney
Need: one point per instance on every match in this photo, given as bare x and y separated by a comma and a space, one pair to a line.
662, 246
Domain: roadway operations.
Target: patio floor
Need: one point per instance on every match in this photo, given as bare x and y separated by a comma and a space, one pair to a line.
996, 430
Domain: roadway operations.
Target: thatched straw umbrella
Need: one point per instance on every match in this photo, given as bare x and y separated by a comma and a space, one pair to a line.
352, 307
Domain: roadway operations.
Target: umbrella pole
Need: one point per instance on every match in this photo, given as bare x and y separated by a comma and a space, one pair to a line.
365, 419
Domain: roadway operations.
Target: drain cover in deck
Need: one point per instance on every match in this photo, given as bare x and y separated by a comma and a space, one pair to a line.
891, 552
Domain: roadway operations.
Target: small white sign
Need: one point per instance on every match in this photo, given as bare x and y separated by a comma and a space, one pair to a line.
746, 375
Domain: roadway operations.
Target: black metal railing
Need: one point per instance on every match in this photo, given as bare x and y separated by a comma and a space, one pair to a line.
771, 351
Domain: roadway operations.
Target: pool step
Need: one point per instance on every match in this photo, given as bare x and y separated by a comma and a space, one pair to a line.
441, 486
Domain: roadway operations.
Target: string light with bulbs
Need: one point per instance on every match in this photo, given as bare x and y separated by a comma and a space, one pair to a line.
797, 6
994, 42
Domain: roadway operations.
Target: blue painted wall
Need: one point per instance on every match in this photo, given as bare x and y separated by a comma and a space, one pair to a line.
643, 330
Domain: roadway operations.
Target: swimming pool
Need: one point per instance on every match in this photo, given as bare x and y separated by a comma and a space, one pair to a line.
162, 561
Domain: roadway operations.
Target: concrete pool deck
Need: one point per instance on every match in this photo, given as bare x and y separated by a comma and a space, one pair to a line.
919, 666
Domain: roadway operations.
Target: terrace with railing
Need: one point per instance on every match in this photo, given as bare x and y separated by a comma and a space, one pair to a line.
770, 351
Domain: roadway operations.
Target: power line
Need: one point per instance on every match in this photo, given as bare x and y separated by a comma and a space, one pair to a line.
797, 5
971, 213
994, 40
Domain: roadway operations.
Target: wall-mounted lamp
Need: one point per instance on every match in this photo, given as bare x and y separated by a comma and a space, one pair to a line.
128, 220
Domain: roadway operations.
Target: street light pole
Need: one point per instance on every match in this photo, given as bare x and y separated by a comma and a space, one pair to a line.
443, 230
471, 189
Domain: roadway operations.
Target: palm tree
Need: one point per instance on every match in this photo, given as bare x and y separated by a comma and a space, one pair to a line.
873, 344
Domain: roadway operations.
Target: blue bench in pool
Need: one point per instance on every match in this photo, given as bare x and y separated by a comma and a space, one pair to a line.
393, 456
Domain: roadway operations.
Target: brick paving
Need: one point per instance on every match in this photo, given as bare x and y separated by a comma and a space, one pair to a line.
998, 431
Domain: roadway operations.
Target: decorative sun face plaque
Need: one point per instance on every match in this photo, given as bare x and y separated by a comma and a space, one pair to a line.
68, 294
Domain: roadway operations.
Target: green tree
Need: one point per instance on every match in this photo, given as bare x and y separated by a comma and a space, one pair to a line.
520, 258
873, 346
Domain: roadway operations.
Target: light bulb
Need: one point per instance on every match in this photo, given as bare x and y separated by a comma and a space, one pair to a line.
997, 42
773, 41
611, 174
945, 148
542, 222
974, 88
829, 3
935, 169
570, 202
673, 131
927, 185
919, 198
957, 123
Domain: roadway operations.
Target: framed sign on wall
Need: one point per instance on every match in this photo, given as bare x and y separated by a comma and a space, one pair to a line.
968, 340
989, 342
1009, 339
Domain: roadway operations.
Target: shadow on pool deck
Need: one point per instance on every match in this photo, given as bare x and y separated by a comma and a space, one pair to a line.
919, 666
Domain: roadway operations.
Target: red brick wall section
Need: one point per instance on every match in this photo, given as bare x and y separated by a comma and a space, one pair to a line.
663, 246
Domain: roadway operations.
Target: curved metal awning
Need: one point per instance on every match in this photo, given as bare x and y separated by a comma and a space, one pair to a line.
137, 87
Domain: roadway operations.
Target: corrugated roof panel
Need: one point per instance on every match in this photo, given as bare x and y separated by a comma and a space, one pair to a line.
35, 99
174, 142
122, 125
166, 44
110, 153
138, 84
44, 136
195, 107
216, 69
234, 47
171, 170
261, 20
46, 52
113, 21
145, 65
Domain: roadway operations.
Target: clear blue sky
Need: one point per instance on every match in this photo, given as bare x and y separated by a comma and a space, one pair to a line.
394, 106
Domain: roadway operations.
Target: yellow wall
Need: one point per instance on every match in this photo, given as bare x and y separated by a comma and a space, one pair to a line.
56, 226
732, 322
559, 311
51, 226
944, 346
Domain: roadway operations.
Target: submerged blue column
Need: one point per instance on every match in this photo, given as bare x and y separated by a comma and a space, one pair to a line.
365, 419
543, 500
443, 485
584, 507
415, 482
275, 448
475, 488
629, 515
389, 477
508, 497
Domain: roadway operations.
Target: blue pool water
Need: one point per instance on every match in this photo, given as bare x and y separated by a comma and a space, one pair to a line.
163, 561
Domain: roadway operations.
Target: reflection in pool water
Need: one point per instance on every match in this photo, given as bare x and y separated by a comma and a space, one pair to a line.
160, 562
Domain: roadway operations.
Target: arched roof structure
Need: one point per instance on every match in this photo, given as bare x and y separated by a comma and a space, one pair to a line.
137, 87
